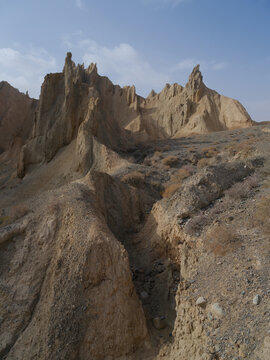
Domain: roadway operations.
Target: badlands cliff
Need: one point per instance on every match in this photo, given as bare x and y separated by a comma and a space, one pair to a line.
132, 228
78, 103
17, 113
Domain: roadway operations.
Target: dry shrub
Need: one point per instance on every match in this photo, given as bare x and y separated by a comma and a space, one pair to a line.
147, 162
162, 148
157, 154
199, 221
242, 189
170, 160
203, 163
220, 240
262, 214
196, 224
209, 152
191, 149
244, 148
170, 190
182, 174
134, 178
176, 180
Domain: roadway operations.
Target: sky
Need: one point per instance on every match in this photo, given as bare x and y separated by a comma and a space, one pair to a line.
147, 43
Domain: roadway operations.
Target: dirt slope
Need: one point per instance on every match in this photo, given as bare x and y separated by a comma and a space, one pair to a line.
114, 245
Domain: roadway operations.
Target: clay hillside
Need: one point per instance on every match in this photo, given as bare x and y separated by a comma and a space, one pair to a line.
132, 228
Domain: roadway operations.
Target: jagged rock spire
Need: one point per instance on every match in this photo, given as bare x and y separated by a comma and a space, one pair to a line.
195, 86
195, 80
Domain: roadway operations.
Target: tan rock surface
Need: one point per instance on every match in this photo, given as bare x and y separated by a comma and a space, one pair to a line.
78, 103
79, 302
93, 246
194, 109
17, 112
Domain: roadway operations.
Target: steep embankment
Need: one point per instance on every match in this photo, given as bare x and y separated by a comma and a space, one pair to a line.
79, 104
17, 113
95, 264
194, 109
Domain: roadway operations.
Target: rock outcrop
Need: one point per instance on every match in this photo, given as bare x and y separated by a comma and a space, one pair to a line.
79, 104
17, 113
178, 111
74, 297
118, 248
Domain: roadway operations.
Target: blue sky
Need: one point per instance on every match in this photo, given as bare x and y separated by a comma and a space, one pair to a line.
142, 42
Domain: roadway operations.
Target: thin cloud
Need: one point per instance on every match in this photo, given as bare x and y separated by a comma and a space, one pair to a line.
185, 64
219, 66
165, 2
79, 4
25, 70
189, 63
122, 63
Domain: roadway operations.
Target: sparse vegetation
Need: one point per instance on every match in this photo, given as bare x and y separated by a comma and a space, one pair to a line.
134, 178
170, 190
195, 224
241, 190
182, 174
170, 160
262, 214
220, 240
176, 180
244, 148
191, 149
209, 152
203, 163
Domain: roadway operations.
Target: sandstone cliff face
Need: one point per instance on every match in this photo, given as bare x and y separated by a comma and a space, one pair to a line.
17, 112
97, 263
178, 111
79, 104
75, 298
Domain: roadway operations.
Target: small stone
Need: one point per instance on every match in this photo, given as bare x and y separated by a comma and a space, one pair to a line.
144, 295
210, 316
201, 302
243, 293
159, 322
217, 310
256, 299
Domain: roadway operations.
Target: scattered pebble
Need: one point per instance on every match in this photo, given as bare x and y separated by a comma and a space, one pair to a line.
217, 310
201, 302
144, 295
256, 299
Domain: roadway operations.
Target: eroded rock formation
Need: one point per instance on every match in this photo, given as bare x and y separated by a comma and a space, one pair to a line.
17, 113
96, 261
79, 104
